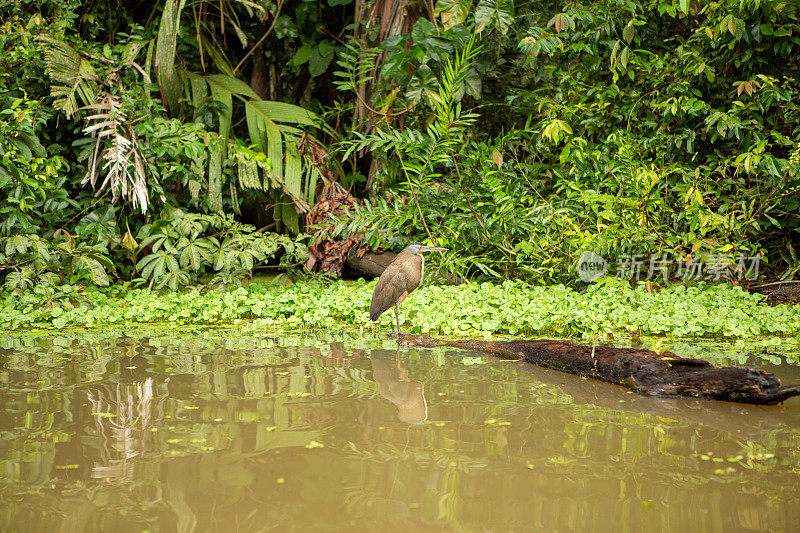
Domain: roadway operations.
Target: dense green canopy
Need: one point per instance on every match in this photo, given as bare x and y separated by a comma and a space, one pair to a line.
148, 141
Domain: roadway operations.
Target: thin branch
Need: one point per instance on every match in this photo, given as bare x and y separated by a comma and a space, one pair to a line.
10, 267
263, 37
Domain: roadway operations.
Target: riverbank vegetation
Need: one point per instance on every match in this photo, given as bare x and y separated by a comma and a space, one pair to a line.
167, 142
606, 310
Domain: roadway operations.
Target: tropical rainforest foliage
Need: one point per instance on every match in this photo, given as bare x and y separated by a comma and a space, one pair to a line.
146, 142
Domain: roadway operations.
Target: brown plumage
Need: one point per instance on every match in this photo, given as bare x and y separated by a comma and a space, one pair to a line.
399, 279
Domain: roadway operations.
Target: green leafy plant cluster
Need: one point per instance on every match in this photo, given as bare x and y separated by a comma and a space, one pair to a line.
29, 260
90, 106
492, 217
33, 173
177, 249
183, 246
613, 126
470, 309
518, 135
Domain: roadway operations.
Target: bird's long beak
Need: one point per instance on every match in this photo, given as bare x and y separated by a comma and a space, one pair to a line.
433, 249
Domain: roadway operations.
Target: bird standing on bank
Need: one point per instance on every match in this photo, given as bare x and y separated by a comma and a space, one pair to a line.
399, 279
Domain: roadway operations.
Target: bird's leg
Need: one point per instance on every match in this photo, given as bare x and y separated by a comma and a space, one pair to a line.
397, 317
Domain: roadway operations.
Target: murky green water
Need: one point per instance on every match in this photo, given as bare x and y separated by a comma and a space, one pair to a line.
211, 431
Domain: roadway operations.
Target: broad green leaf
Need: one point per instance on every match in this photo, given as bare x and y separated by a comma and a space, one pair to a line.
423, 85
628, 32
497, 157
283, 112
290, 216
302, 55
615, 53
151, 266
317, 63
219, 260
452, 12
69, 264
167, 75
497, 13
325, 48
215, 180
423, 29
230, 84
172, 263
96, 271
313, 176
623, 57
732, 25
246, 260
472, 83
173, 278
293, 175
17, 244
484, 15
19, 280
43, 255
128, 242
274, 145
190, 256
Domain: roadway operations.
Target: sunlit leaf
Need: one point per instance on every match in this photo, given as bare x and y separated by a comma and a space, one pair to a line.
496, 13
561, 21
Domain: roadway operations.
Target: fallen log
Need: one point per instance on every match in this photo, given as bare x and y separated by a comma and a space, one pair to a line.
778, 292
744, 421
643, 371
370, 264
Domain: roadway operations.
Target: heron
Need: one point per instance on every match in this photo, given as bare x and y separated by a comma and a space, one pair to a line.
400, 278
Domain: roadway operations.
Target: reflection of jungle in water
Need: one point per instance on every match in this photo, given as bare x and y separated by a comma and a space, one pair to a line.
213, 431
122, 417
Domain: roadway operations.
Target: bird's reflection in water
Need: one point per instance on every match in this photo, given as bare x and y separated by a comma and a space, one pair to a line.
394, 385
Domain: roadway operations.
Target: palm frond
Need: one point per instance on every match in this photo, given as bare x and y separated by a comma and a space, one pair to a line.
74, 77
116, 146
273, 163
168, 78
271, 130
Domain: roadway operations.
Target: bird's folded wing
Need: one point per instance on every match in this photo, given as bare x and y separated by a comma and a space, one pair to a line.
390, 288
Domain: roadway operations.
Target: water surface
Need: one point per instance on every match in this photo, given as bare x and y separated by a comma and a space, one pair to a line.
222, 431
